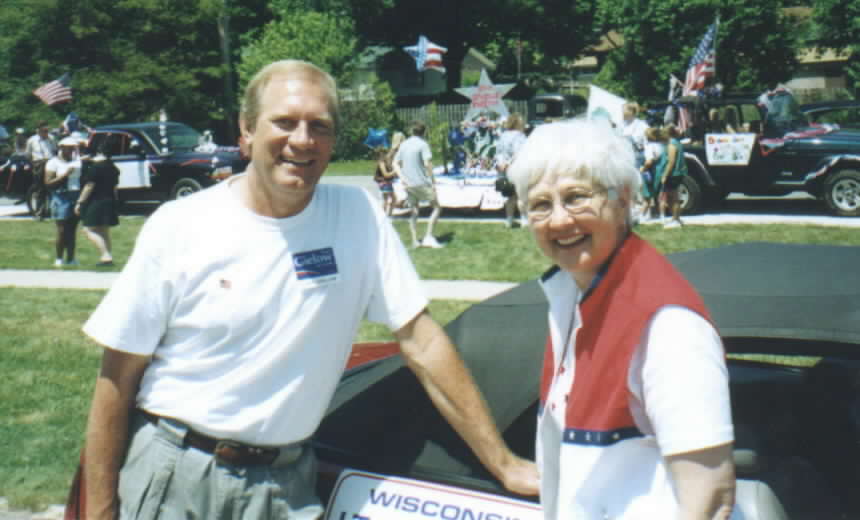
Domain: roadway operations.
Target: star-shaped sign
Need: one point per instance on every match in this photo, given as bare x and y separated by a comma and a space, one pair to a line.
486, 97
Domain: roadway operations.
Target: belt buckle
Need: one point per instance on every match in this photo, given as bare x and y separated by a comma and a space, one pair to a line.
229, 452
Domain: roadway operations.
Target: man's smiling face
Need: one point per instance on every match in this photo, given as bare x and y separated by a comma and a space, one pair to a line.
293, 138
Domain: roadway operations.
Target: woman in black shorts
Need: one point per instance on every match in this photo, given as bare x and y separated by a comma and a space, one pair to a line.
97, 204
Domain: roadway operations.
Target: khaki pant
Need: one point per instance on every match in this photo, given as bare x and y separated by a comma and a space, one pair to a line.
162, 479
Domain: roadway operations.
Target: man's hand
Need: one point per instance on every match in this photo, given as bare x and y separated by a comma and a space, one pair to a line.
521, 477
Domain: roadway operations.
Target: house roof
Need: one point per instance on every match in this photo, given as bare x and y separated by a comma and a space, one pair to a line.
480, 60
810, 55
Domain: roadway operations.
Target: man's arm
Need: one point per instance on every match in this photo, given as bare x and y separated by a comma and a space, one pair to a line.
434, 360
107, 430
704, 482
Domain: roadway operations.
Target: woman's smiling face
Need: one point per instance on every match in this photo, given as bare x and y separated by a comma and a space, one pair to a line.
576, 224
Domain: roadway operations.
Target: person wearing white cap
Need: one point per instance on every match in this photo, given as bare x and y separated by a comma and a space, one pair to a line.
63, 180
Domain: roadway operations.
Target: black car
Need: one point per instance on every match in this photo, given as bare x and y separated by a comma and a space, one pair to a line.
165, 160
544, 108
789, 316
771, 149
844, 113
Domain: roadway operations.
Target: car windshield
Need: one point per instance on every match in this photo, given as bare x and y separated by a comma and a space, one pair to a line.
174, 137
783, 114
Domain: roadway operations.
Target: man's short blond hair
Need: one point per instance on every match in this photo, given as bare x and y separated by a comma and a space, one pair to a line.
290, 69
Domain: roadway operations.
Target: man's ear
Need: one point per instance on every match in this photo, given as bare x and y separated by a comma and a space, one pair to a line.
246, 137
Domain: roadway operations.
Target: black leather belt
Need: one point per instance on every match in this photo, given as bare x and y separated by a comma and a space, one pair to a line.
229, 452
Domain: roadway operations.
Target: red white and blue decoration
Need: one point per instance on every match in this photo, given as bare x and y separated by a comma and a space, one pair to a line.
427, 55
703, 63
376, 138
486, 97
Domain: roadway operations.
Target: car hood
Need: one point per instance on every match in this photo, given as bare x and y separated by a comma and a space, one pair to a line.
773, 291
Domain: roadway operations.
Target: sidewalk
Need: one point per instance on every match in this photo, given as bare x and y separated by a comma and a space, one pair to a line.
466, 290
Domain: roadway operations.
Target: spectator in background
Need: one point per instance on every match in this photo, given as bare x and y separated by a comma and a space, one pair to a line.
20, 142
63, 182
633, 129
671, 169
512, 138
732, 121
97, 204
40, 148
413, 165
384, 175
653, 151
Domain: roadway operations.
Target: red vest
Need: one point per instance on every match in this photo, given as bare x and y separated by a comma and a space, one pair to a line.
638, 282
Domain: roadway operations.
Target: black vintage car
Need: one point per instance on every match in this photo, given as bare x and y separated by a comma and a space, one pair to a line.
165, 160
544, 108
766, 145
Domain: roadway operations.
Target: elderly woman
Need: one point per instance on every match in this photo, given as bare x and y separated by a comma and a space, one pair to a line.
635, 420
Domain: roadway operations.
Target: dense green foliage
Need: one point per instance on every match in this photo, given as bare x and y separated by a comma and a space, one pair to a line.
837, 25
129, 59
756, 44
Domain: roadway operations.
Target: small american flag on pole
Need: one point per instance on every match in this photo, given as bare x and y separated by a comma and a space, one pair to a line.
56, 91
703, 63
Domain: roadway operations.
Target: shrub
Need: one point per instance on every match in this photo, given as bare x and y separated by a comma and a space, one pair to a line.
371, 106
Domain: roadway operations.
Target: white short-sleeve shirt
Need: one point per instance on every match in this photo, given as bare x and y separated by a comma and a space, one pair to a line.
250, 320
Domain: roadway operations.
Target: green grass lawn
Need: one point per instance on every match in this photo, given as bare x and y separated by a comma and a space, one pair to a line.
350, 168
475, 251
49, 367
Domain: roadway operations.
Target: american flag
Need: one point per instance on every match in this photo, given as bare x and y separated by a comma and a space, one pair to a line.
56, 91
427, 54
702, 64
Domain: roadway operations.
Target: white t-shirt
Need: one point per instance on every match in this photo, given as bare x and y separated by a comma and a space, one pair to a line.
250, 320
635, 131
60, 166
508, 145
653, 150
40, 149
412, 155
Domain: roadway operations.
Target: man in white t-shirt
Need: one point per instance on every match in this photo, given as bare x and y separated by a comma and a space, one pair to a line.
229, 327
415, 169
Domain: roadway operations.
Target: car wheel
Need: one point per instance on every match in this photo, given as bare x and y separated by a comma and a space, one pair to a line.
691, 196
185, 187
842, 193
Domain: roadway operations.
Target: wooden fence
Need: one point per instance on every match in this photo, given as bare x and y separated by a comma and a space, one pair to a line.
452, 114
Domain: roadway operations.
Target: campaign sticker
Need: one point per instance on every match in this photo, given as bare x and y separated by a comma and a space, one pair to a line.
360, 495
316, 266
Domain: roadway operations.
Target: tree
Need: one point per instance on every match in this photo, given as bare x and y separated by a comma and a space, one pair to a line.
552, 28
128, 58
756, 46
327, 40
837, 26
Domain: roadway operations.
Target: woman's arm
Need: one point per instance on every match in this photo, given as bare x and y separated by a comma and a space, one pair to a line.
84, 197
704, 483
682, 365
52, 177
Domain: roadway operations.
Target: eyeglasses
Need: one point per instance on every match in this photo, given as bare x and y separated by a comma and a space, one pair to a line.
573, 201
